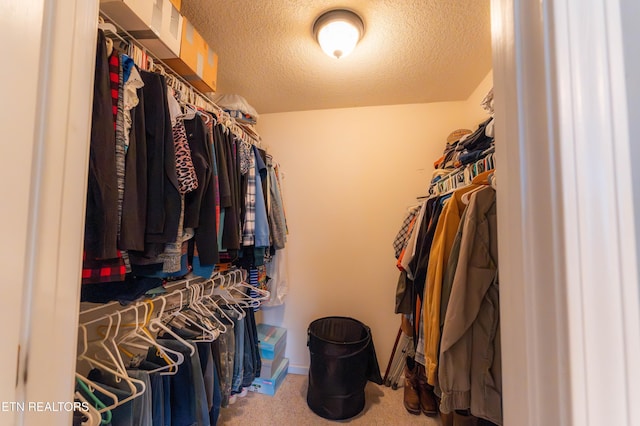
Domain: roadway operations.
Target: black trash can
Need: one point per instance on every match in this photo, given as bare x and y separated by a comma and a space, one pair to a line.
343, 359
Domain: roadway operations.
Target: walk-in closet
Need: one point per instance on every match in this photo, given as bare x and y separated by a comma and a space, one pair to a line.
321, 212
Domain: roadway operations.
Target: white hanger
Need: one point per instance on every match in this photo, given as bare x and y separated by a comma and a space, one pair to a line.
92, 385
156, 324
223, 293
466, 197
204, 314
199, 288
93, 415
119, 373
207, 335
106, 26
141, 333
208, 298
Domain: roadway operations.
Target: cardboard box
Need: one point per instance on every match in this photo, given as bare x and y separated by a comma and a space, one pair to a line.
156, 24
270, 386
271, 340
269, 366
197, 62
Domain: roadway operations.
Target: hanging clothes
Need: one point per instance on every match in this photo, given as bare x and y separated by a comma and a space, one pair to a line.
101, 220
134, 203
470, 372
444, 237
200, 204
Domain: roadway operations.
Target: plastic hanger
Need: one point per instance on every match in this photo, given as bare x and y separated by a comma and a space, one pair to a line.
466, 197
119, 372
88, 386
93, 416
205, 310
107, 26
156, 324
209, 298
202, 314
207, 335
141, 333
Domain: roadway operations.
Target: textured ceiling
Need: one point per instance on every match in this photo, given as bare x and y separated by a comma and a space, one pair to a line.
413, 51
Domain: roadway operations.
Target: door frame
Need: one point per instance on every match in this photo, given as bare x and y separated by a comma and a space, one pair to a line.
567, 230
47, 122
567, 235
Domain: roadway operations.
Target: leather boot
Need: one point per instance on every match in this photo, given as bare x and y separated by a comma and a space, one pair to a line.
447, 419
427, 398
411, 397
462, 420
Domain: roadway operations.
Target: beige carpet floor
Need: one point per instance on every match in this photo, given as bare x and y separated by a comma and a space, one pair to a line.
289, 407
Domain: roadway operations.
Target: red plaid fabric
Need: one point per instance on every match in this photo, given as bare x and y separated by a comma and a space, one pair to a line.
114, 77
103, 270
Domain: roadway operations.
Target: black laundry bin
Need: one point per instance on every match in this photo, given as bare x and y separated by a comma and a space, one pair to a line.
343, 359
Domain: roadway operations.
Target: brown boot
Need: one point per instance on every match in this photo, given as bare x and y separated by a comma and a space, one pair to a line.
427, 398
411, 397
447, 419
462, 420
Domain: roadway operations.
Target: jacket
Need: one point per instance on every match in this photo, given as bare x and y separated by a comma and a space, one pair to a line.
470, 372
443, 239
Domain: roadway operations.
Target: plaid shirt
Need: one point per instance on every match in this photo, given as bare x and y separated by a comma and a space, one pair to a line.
103, 270
403, 234
249, 229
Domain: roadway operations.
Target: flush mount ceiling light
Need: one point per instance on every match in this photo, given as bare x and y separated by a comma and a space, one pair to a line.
338, 31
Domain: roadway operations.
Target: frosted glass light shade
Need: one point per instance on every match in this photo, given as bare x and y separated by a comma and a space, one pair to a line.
338, 32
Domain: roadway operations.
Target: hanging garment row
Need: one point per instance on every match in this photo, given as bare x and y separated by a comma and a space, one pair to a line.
171, 188
446, 251
175, 359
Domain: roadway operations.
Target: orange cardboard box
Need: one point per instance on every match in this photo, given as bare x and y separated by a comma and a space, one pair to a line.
197, 63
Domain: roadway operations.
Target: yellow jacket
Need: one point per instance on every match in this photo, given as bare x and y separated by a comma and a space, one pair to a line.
445, 233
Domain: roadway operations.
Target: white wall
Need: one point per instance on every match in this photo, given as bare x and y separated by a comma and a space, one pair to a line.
474, 113
350, 175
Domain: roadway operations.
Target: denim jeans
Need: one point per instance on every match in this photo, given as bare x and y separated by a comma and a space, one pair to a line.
182, 398
217, 398
223, 356
157, 399
142, 405
166, 387
252, 361
121, 415
202, 407
211, 382
238, 360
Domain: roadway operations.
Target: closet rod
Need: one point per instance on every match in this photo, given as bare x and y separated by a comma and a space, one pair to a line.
433, 186
171, 286
131, 39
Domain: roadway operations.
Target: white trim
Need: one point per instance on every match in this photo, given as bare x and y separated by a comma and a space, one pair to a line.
63, 118
603, 292
17, 119
298, 369
569, 283
531, 298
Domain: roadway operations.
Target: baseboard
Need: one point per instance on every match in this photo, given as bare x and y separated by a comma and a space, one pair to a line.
298, 369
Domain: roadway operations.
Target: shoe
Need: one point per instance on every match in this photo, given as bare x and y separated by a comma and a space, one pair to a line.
243, 393
411, 396
232, 399
447, 419
428, 403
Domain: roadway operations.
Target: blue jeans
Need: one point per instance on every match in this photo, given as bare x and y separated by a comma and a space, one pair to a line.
202, 407
182, 393
121, 415
142, 405
238, 360
223, 355
157, 399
